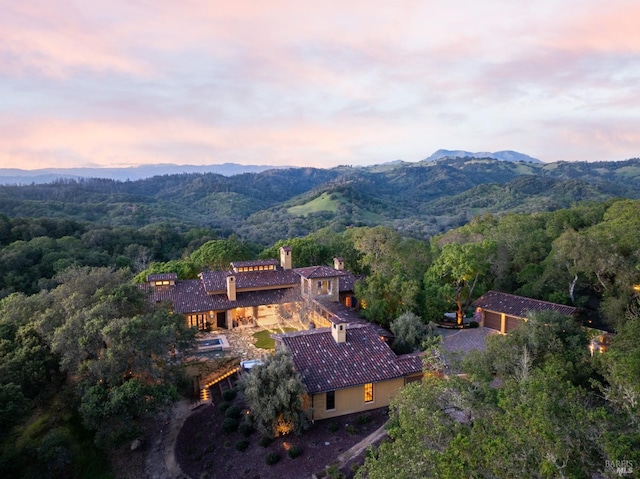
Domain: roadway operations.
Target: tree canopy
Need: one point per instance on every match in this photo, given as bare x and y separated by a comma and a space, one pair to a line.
523, 410
274, 392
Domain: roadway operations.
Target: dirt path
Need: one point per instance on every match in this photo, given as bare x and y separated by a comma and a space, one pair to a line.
161, 460
359, 448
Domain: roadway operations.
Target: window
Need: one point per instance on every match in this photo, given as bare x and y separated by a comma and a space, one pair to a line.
197, 321
368, 392
324, 287
331, 400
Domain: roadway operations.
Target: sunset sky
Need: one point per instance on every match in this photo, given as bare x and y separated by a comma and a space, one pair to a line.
123, 83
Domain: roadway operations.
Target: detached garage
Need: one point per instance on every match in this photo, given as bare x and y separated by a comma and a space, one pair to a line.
504, 312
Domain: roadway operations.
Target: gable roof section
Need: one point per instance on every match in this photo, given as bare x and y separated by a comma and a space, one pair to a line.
364, 358
518, 306
189, 296
318, 272
339, 313
348, 281
216, 281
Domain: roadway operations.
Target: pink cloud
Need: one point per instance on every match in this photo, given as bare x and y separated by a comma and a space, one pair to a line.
54, 39
288, 81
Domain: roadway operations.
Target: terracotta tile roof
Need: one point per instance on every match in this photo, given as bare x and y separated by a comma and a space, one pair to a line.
348, 281
341, 314
189, 296
364, 358
518, 306
216, 281
314, 272
162, 276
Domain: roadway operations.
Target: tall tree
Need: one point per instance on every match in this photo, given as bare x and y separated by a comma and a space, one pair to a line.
395, 266
217, 254
460, 268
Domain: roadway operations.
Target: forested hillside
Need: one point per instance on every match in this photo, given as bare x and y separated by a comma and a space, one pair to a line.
418, 199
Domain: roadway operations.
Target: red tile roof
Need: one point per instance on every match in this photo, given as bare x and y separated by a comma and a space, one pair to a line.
348, 281
314, 272
189, 296
342, 314
518, 306
216, 281
364, 358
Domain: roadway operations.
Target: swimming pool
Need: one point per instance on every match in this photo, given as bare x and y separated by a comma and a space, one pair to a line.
215, 343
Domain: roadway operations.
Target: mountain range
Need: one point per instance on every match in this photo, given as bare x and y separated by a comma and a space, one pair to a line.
15, 176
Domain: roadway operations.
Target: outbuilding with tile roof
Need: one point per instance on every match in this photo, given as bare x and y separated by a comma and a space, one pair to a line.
505, 312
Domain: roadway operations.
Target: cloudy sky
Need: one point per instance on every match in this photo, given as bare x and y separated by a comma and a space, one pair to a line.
279, 82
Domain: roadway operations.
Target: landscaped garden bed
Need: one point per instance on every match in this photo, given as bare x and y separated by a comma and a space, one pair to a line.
214, 443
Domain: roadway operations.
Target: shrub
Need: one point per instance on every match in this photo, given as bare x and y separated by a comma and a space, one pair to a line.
265, 441
246, 429
333, 427
351, 429
233, 411
334, 473
473, 324
229, 425
242, 445
272, 458
294, 451
223, 406
364, 419
229, 395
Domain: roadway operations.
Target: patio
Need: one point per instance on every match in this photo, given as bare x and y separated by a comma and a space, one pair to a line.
462, 341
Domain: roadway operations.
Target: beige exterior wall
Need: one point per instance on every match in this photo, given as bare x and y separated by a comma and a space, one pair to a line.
351, 400
324, 288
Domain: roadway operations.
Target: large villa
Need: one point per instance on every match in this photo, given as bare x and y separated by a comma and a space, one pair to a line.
258, 293
345, 362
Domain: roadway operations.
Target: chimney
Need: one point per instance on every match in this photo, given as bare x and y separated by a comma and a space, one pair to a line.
285, 257
231, 287
338, 263
339, 332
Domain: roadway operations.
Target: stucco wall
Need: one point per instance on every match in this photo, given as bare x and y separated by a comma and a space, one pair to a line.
351, 400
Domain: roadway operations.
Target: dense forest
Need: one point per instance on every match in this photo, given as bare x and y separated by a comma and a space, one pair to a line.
84, 357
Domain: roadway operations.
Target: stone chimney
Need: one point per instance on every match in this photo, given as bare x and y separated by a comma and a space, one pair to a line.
339, 332
285, 257
338, 263
231, 287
